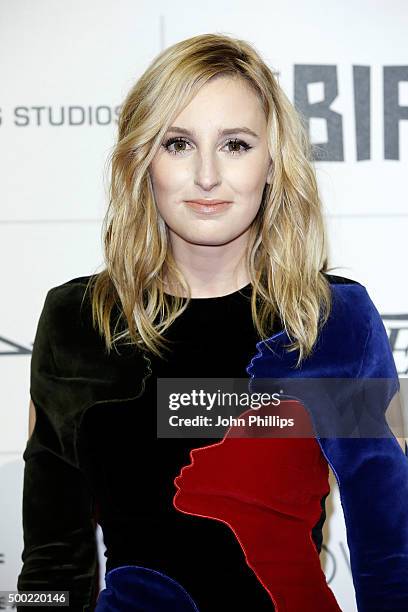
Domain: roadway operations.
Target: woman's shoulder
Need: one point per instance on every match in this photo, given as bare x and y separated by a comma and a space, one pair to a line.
67, 327
352, 302
69, 291
67, 295
66, 314
71, 369
334, 279
356, 322
77, 280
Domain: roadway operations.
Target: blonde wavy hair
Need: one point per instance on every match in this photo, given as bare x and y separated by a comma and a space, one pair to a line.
286, 252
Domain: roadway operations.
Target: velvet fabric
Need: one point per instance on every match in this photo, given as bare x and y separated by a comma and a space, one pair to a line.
372, 473
271, 511
70, 372
140, 589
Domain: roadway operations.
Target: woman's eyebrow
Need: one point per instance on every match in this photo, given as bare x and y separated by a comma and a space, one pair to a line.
244, 130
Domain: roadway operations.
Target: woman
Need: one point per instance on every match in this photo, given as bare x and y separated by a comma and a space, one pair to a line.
215, 253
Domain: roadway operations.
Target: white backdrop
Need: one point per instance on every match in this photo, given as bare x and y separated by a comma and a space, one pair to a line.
65, 69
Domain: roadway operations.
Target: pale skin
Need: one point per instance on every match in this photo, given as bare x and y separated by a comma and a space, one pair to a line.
31, 417
205, 164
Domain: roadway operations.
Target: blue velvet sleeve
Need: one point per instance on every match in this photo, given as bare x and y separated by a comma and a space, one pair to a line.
60, 549
371, 469
374, 487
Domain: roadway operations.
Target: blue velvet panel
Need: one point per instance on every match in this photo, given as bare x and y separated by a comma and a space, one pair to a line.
372, 473
131, 588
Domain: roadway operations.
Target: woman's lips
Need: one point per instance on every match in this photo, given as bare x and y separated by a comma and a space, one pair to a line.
208, 206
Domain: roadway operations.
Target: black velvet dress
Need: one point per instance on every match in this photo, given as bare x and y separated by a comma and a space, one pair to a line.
126, 480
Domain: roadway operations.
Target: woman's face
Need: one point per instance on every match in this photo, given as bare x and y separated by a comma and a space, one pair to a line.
197, 161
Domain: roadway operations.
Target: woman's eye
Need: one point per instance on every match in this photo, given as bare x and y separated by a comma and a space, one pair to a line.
175, 141
238, 143
239, 146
